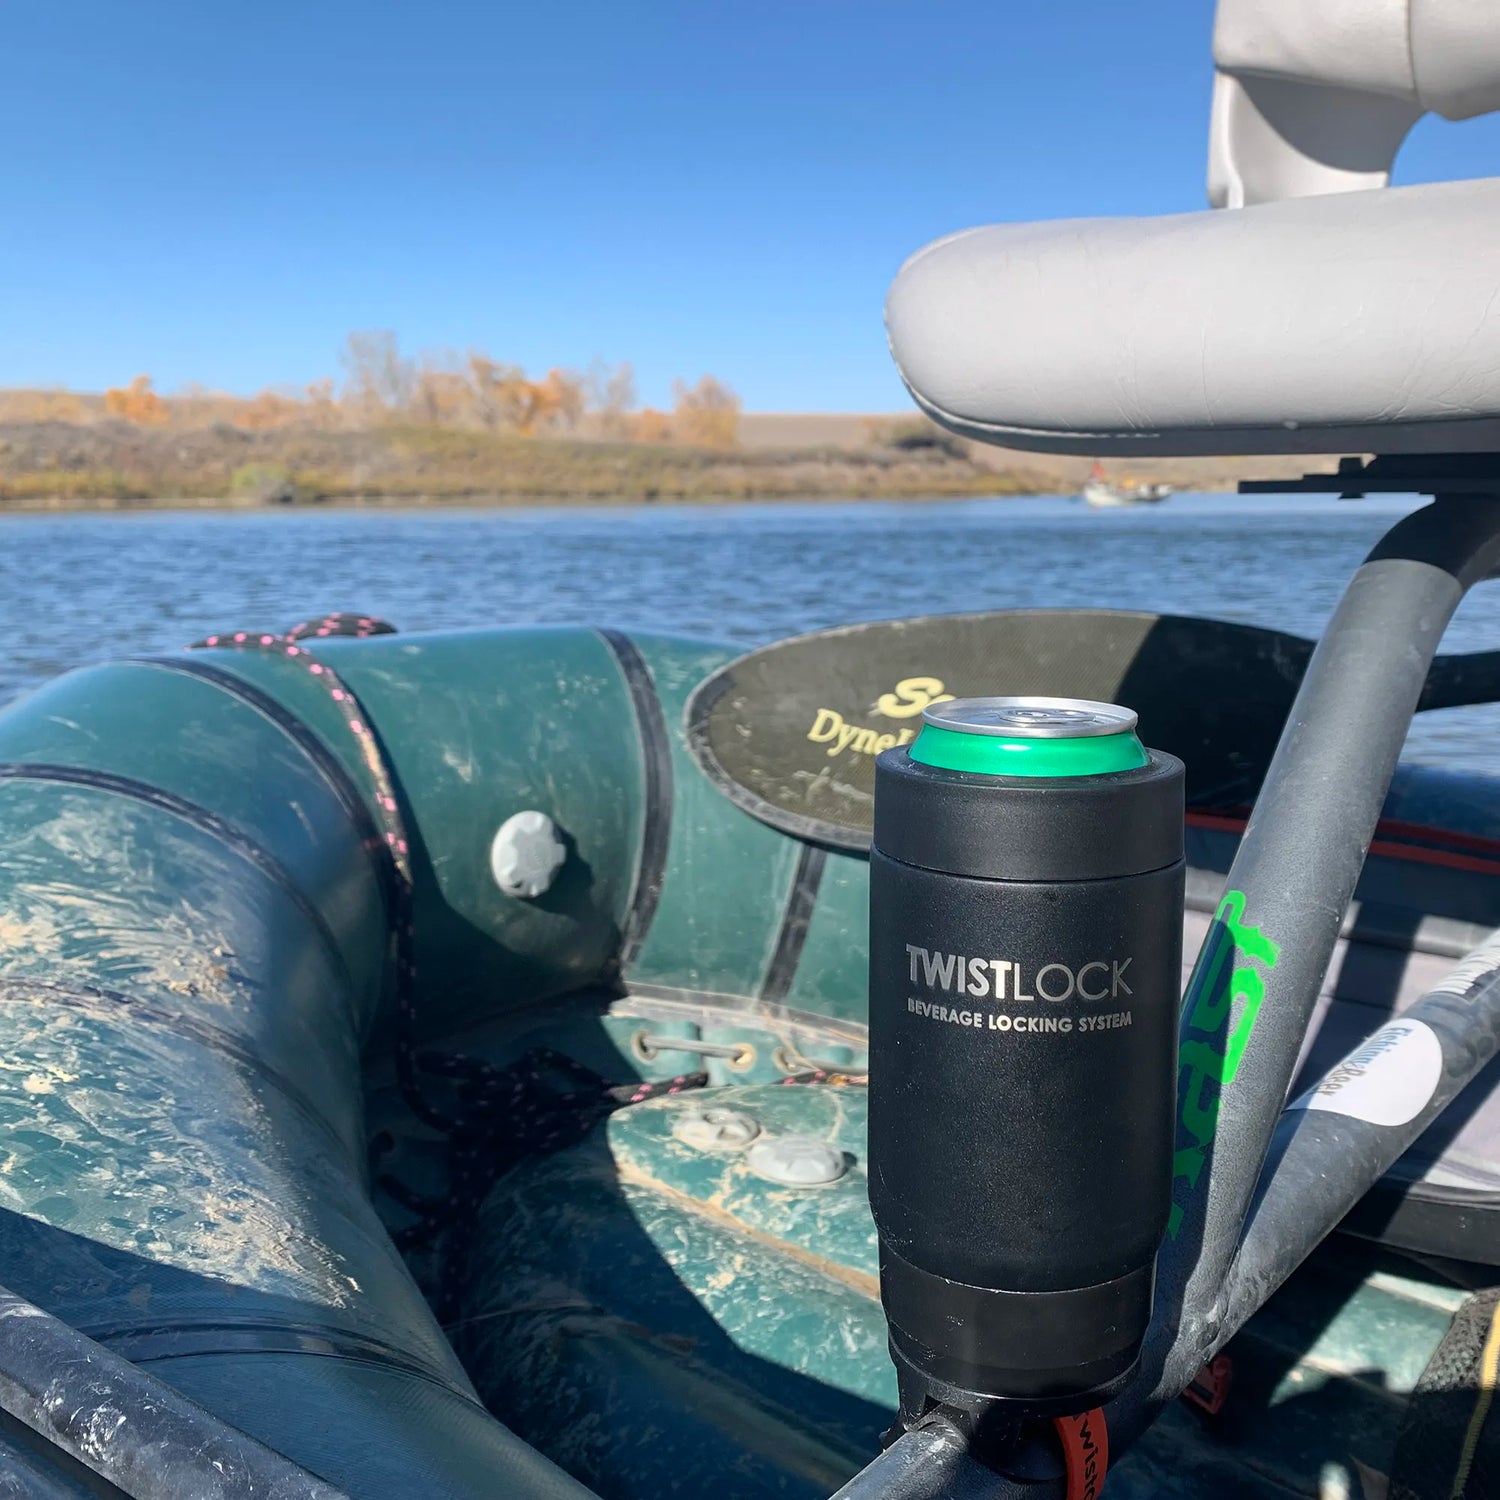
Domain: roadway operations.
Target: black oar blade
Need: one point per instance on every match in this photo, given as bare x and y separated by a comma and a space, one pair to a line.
1455, 681
790, 732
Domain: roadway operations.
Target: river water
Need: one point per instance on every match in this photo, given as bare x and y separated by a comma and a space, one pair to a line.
83, 588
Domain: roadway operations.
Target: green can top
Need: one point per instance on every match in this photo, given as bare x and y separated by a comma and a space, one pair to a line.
1028, 736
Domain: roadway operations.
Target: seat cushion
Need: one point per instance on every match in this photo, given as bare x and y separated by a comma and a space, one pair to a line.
1351, 323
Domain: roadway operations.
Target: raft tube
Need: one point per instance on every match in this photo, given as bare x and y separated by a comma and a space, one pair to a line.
195, 931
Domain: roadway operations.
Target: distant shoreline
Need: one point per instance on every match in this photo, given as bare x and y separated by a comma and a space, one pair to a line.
114, 465
219, 505
59, 467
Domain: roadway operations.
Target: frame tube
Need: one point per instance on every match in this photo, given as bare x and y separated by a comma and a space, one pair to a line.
932, 1463
1257, 978
1254, 987
127, 1426
1329, 1158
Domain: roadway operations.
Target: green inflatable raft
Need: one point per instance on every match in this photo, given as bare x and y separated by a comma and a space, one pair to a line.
433, 1066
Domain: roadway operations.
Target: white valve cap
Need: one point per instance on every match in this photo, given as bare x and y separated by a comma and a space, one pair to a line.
797, 1160
527, 854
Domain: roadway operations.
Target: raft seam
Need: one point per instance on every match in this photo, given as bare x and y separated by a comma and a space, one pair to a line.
234, 1341
656, 798
796, 917
220, 829
327, 764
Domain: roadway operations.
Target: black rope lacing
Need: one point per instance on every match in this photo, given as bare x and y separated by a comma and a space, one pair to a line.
537, 1105
396, 848
828, 1078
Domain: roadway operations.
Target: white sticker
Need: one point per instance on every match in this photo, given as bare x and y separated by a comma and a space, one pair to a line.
1384, 1081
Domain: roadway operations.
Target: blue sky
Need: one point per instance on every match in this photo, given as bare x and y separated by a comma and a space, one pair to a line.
218, 192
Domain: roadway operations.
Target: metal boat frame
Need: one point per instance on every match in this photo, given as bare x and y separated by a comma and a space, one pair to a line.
1261, 1182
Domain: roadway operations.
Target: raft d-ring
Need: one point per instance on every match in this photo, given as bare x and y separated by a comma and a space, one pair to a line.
739, 1057
743, 1059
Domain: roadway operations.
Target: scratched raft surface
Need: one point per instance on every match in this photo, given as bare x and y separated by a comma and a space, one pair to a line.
646, 1310
200, 1126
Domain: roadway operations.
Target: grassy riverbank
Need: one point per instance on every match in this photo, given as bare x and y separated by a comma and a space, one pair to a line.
112, 465
60, 465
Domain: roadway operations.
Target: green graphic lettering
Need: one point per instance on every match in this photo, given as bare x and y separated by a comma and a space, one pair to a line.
1209, 1062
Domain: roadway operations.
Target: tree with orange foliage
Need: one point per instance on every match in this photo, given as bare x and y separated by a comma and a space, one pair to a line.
508, 400
440, 390
651, 426
137, 403
707, 414
442, 396
518, 401
496, 387
269, 411
560, 400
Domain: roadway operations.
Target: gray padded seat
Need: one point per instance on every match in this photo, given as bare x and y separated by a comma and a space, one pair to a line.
1347, 323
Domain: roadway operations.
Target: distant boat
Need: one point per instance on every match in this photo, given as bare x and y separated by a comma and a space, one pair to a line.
1102, 493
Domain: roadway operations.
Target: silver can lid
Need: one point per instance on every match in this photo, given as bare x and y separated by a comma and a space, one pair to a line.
1031, 718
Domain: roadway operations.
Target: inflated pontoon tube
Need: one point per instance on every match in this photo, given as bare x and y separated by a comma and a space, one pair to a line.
194, 944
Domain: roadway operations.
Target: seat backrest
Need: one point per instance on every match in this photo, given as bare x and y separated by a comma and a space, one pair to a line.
1316, 96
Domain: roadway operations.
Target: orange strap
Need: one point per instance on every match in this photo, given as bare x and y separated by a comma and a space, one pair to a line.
1085, 1445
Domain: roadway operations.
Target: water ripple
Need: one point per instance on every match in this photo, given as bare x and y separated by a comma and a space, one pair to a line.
75, 589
